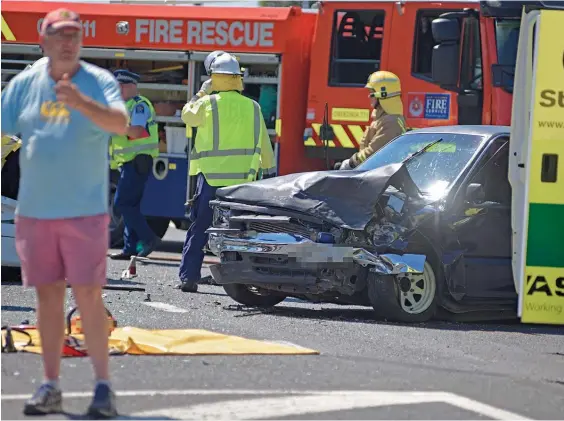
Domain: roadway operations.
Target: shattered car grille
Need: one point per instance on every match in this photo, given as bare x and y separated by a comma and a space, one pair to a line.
286, 228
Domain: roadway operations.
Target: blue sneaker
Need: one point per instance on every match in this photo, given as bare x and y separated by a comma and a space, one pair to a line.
103, 404
46, 400
149, 248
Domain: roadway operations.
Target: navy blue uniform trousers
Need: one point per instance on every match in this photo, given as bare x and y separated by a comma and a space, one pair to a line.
129, 193
201, 216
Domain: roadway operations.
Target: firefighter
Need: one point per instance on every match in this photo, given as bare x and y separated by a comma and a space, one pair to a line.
387, 117
133, 154
232, 145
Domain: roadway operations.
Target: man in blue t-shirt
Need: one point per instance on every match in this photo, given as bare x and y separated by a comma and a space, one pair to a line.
65, 110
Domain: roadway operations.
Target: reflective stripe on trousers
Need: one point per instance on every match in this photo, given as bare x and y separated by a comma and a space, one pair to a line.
216, 152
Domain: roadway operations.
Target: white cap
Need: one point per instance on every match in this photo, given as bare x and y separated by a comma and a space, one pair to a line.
225, 64
39, 62
210, 58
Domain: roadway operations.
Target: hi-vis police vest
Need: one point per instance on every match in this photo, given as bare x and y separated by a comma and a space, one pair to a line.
227, 148
123, 150
9, 144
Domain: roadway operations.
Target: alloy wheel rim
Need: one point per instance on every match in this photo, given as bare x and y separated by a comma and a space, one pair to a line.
421, 293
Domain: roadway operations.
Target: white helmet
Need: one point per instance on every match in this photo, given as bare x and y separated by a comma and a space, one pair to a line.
210, 58
37, 62
225, 64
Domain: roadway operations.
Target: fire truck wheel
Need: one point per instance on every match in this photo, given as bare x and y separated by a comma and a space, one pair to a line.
409, 298
11, 274
158, 225
116, 220
251, 296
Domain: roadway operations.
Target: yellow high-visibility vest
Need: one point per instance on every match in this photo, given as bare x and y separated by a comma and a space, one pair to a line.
230, 146
123, 150
9, 144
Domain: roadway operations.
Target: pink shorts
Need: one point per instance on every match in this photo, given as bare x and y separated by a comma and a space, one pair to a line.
53, 250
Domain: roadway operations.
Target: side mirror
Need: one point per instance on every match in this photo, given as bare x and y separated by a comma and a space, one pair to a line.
475, 193
445, 61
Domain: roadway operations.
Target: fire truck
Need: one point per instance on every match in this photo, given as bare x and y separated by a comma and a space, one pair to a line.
167, 46
304, 67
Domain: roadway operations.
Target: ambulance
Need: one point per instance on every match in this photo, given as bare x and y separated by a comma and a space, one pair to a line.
536, 167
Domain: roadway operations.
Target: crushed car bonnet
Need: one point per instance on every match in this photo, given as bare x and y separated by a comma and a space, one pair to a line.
344, 198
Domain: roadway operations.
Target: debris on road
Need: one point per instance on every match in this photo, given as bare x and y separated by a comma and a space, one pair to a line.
131, 271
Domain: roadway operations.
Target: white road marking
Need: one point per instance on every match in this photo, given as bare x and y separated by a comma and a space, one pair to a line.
277, 407
165, 307
316, 401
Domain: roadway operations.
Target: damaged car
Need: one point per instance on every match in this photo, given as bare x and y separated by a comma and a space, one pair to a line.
423, 224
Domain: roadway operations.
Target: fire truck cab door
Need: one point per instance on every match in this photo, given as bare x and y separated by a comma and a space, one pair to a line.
457, 62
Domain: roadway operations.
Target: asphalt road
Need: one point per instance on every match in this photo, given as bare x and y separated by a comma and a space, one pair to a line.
367, 369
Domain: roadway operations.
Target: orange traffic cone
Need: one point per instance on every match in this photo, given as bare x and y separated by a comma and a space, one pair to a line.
131, 271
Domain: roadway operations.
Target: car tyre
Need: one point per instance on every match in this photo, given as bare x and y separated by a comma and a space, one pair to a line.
245, 295
386, 292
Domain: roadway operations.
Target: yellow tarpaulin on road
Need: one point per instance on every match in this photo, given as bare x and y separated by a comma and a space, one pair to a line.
136, 341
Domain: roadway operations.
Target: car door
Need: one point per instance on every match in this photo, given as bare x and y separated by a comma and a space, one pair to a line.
486, 236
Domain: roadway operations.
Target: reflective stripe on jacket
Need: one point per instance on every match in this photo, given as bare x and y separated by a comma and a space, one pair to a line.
383, 128
123, 150
230, 146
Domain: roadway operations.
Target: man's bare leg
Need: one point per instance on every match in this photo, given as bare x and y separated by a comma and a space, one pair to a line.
51, 323
95, 326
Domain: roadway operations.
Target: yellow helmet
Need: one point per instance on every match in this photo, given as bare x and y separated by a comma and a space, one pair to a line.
383, 85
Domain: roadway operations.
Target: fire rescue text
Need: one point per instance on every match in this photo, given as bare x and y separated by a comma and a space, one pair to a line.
212, 33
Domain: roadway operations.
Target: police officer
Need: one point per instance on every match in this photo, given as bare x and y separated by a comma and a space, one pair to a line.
133, 155
387, 117
232, 146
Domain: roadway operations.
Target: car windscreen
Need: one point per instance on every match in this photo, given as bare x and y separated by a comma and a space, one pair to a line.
434, 169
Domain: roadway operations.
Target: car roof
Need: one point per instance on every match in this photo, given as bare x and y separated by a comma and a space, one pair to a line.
480, 130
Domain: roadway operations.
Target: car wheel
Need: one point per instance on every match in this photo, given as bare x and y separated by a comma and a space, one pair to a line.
250, 296
409, 298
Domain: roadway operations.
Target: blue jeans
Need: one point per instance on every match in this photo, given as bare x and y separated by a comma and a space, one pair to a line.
129, 193
201, 216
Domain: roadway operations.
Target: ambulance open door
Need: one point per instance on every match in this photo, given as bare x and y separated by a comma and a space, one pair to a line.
537, 169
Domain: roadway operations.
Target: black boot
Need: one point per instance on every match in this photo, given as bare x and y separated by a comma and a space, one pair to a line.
189, 287
120, 256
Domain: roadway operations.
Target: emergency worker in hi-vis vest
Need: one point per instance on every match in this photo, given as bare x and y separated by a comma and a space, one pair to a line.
231, 147
133, 155
387, 117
